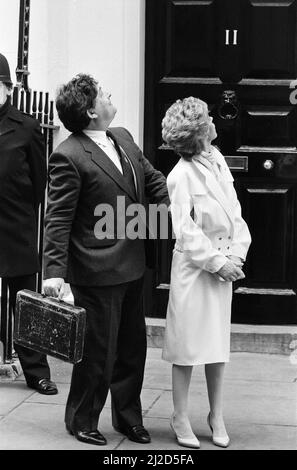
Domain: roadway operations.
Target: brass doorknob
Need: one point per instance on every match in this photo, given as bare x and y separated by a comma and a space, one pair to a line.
268, 164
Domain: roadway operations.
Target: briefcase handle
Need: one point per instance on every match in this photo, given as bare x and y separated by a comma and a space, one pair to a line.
54, 298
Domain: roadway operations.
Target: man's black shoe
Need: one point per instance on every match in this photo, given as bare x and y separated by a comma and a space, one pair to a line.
89, 437
135, 433
44, 386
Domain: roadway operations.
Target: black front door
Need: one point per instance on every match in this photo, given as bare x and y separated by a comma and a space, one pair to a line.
240, 57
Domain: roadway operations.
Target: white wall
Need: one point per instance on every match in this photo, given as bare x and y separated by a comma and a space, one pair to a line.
9, 30
102, 37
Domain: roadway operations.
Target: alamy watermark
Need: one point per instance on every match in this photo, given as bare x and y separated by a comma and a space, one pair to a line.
136, 221
131, 221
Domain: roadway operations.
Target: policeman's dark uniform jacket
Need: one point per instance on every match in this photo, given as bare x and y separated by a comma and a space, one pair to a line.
106, 275
22, 186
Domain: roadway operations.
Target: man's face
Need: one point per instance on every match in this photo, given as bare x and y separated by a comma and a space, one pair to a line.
104, 107
4, 93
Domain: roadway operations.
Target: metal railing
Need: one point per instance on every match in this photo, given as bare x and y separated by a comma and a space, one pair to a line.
40, 107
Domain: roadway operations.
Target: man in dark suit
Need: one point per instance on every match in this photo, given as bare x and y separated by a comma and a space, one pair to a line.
95, 169
22, 185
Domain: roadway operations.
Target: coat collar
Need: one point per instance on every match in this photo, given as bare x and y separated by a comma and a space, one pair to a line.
104, 162
215, 188
8, 123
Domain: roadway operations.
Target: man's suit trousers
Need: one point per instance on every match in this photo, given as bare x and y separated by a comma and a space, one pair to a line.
113, 359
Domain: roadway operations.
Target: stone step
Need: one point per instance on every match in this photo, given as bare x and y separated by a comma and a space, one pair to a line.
263, 339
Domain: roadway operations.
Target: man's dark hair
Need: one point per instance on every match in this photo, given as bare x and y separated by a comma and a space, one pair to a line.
74, 100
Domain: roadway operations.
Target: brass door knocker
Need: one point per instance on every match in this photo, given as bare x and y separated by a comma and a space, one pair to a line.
229, 107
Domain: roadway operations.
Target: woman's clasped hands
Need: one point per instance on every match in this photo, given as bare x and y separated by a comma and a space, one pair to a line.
231, 271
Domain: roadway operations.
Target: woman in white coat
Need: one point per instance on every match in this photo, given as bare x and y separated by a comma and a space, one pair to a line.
212, 241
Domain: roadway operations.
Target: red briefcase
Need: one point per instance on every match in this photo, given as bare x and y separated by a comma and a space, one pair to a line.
50, 326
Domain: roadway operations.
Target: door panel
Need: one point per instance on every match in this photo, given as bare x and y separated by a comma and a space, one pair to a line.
244, 76
190, 38
269, 126
268, 294
270, 39
270, 258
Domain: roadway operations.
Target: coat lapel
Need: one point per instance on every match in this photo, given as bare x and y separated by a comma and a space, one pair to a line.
104, 162
6, 126
8, 123
216, 190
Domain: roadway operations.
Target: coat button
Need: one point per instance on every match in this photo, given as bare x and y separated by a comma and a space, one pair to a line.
220, 238
219, 249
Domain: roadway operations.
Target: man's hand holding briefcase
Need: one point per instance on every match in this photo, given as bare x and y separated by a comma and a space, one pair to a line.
49, 325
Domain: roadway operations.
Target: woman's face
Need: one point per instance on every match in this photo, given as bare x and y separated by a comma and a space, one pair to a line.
212, 133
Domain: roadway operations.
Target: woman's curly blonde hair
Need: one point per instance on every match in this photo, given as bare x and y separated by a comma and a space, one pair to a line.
185, 125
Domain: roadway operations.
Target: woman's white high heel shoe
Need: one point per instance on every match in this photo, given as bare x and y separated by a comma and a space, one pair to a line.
192, 442
217, 440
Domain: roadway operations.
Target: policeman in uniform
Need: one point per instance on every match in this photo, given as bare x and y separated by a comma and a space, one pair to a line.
22, 185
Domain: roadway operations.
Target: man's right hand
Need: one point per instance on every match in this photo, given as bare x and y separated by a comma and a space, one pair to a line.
230, 272
54, 287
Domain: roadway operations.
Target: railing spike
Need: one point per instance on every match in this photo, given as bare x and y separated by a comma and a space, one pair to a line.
22, 104
51, 115
28, 101
34, 106
40, 107
46, 108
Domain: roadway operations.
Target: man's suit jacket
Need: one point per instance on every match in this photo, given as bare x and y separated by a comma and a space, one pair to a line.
82, 177
22, 185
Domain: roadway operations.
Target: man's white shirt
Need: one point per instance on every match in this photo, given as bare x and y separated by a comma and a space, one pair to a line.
106, 144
